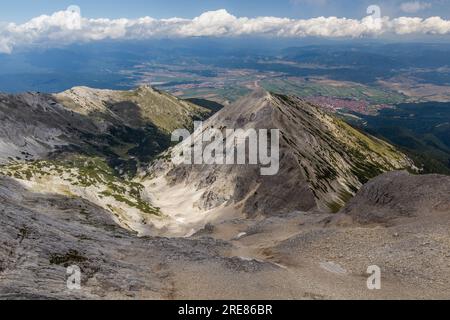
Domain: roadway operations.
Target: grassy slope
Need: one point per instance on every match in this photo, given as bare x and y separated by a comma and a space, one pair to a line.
78, 176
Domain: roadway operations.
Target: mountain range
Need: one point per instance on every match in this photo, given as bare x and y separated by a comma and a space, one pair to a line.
86, 178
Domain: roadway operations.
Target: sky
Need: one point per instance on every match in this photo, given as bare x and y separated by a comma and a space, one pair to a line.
58, 22
22, 10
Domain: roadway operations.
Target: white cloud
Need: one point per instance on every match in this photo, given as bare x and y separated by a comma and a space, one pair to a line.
69, 26
414, 6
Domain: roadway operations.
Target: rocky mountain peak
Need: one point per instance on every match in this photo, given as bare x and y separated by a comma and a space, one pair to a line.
323, 162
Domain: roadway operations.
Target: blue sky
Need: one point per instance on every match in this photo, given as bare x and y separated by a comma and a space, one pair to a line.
22, 10
215, 18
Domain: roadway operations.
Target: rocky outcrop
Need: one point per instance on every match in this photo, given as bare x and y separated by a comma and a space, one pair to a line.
400, 194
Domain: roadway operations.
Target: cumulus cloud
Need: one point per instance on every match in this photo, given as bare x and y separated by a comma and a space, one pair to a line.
69, 26
414, 6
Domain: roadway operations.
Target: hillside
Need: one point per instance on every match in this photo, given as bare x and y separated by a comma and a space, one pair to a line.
118, 125
421, 129
400, 195
136, 108
292, 256
323, 162
205, 231
89, 143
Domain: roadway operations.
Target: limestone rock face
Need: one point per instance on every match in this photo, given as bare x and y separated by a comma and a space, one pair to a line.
323, 161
